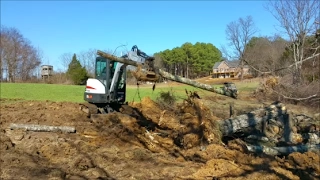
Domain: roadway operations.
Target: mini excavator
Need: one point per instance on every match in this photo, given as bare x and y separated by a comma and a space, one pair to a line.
106, 92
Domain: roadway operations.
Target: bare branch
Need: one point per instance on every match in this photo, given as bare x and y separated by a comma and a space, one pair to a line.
65, 59
269, 72
297, 99
238, 34
18, 57
297, 19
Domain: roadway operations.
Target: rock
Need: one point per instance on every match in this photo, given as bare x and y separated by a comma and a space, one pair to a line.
96, 173
57, 174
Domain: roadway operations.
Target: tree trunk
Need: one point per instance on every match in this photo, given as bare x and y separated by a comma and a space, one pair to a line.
246, 123
34, 127
241, 70
193, 83
285, 150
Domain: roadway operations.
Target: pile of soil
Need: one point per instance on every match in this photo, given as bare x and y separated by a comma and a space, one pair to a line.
144, 141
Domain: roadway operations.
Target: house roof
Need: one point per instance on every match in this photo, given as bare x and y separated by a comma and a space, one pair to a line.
233, 64
217, 64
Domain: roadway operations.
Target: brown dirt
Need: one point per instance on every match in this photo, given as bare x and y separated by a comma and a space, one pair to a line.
152, 143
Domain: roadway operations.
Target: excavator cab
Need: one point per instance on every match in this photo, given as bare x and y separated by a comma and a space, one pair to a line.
106, 92
109, 84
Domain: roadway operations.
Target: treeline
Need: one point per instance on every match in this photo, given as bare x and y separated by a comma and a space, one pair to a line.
189, 60
19, 59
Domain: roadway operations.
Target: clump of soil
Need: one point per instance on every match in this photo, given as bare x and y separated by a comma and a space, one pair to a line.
145, 141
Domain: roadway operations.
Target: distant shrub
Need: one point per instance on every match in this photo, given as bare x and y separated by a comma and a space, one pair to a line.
167, 99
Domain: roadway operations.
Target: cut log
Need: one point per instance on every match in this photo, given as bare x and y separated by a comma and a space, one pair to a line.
35, 127
306, 124
194, 83
285, 150
118, 59
253, 119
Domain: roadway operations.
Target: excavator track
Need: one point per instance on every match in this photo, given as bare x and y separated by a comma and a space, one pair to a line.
93, 111
88, 108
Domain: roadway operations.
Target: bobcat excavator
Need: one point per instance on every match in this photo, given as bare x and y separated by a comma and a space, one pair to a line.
106, 92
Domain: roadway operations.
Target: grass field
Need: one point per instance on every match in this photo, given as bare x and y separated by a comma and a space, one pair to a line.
72, 93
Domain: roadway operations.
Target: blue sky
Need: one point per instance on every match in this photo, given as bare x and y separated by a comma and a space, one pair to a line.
58, 27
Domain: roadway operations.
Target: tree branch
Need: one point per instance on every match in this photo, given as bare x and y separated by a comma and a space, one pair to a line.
297, 99
269, 72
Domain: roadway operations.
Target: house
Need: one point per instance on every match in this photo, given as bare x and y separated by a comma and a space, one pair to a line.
228, 69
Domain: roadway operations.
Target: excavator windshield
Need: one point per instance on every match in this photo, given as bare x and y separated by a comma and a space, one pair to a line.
101, 68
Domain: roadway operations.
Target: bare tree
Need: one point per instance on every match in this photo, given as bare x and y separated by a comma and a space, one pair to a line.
65, 59
87, 58
18, 57
31, 59
264, 54
298, 19
3, 66
239, 34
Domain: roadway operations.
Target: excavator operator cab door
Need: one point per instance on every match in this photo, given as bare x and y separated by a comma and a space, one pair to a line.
102, 70
113, 76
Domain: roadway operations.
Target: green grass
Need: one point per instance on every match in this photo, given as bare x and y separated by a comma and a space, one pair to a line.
247, 86
52, 92
73, 93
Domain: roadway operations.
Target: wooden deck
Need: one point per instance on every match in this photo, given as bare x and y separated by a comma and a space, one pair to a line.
226, 74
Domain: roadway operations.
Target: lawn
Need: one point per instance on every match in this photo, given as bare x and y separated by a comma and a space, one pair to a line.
73, 93
52, 92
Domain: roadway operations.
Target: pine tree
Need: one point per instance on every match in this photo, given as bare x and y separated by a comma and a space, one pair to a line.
76, 72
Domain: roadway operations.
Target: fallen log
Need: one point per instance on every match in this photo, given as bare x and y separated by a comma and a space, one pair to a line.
285, 150
253, 119
306, 124
35, 127
194, 83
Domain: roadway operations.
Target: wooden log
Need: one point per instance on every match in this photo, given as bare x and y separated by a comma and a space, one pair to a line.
118, 59
35, 127
284, 150
253, 119
195, 83
306, 124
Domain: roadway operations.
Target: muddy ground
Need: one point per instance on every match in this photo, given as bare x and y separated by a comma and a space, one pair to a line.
115, 147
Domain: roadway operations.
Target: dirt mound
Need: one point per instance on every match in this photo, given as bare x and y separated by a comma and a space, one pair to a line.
145, 141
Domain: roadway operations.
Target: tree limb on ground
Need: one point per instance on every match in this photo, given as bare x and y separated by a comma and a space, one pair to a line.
283, 150
35, 127
194, 83
296, 98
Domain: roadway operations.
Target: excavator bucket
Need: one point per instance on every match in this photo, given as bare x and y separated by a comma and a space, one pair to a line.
144, 71
143, 75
